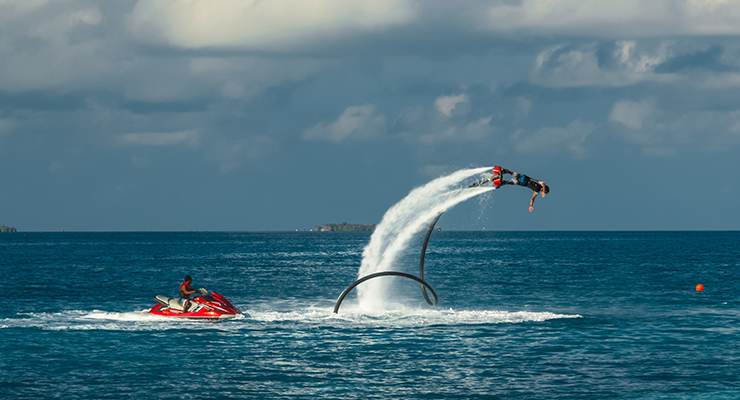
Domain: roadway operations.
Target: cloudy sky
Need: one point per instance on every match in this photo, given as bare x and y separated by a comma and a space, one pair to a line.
283, 114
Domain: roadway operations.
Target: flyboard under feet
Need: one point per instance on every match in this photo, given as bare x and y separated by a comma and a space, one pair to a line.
497, 179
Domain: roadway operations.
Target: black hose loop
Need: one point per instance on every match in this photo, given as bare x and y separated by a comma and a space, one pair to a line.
421, 260
382, 273
420, 278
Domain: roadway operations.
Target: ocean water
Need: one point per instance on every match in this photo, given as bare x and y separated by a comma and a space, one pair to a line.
540, 315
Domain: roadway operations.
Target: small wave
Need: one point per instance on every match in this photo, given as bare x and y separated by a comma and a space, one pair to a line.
126, 316
419, 317
404, 317
353, 316
80, 320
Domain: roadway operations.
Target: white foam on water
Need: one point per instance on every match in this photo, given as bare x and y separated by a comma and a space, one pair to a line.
302, 317
404, 317
81, 320
74, 320
421, 318
404, 220
127, 316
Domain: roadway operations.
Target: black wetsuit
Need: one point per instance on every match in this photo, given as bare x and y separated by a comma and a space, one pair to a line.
524, 180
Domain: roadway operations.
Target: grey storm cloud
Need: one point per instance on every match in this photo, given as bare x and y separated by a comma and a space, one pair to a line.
356, 122
185, 103
710, 59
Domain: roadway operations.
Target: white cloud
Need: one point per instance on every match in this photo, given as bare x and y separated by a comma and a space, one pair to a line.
213, 77
357, 122
523, 106
446, 104
233, 90
632, 114
52, 25
72, 45
20, 7
55, 165
657, 151
720, 81
38, 49
434, 171
577, 66
64, 22
140, 161
474, 131
245, 77
288, 25
260, 24
410, 116
550, 140
188, 138
657, 135
6, 125
642, 123
615, 18
230, 153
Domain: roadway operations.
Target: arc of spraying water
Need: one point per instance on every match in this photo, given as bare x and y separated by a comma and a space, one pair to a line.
420, 278
399, 242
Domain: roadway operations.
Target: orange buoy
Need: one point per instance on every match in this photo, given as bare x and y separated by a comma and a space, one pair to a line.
700, 287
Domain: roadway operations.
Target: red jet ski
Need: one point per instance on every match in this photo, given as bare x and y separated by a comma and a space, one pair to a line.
206, 307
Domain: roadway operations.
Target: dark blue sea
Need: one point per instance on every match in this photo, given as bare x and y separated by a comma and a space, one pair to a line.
521, 315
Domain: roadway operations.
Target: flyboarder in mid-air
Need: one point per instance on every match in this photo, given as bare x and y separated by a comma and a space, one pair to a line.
516, 179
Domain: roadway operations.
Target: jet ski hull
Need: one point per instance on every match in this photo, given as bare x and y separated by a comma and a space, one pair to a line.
213, 307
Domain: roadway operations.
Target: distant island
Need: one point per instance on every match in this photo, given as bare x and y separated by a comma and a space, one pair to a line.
345, 227
4, 228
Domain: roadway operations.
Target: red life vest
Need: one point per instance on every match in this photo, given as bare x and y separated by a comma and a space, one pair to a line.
189, 288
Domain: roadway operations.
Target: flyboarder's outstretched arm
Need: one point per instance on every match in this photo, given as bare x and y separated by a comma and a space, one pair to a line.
534, 196
531, 202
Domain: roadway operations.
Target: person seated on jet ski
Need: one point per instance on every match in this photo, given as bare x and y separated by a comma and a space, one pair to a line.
523, 180
185, 291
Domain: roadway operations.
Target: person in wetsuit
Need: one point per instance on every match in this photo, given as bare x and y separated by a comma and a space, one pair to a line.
523, 180
185, 291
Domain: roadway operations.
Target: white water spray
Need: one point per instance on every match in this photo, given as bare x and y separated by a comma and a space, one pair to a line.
402, 221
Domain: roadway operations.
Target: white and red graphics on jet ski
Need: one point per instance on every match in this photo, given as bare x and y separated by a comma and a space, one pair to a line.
207, 306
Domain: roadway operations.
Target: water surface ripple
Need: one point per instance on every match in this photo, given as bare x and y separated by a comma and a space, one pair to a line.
522, 315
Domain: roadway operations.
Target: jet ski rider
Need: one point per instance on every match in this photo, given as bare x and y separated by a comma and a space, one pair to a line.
185, 291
